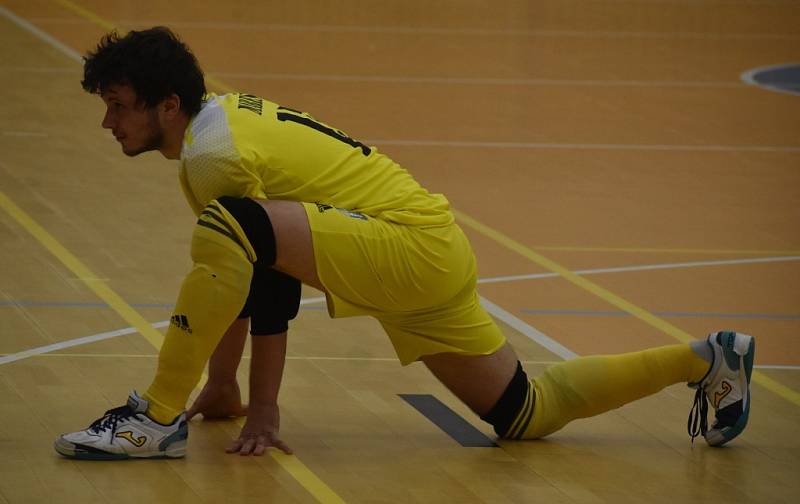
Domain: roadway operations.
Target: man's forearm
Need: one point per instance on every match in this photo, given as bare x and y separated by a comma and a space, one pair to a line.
266, 369
225, 360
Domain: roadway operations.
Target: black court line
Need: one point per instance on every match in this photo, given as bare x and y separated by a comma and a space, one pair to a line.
448, 420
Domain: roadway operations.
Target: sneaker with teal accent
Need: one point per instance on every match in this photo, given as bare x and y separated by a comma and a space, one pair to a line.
126, 432
726, 386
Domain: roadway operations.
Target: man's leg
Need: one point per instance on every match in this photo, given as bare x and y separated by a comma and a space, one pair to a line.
230, 236
577, 388
478, 381
587, 386
221, 397
503, 395
211, 296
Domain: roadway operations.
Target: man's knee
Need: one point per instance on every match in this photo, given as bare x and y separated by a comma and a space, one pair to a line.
273, 301
513, 412
245, 222
274, 297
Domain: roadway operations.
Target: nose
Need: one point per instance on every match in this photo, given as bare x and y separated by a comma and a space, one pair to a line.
108, 122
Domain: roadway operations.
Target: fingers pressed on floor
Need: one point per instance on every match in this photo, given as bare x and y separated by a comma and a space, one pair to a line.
235, 446
247, 447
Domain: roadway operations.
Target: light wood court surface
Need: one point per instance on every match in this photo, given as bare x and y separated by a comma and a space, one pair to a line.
610, 138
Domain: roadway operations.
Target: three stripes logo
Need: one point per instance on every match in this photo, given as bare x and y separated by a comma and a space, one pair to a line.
181, 322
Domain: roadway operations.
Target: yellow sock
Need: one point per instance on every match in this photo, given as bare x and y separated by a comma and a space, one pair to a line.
587, 386
212, 295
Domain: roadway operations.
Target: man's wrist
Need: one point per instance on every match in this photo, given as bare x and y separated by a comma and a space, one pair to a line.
263, 405
223, 380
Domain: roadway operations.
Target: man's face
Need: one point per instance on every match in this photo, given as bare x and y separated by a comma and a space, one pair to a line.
134, 126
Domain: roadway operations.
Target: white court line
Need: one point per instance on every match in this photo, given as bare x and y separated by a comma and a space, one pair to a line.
429, 30
528, 330
552, 345
481, 81
644, 267
401, 79
404, 79
492, 145
326, 358
49, 348
37, 69
571, 146
102, 336
25, 134
248, 357
498, 312
22, 23
492, 308
73, 342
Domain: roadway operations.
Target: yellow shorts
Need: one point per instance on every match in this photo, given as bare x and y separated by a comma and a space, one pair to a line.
419, 282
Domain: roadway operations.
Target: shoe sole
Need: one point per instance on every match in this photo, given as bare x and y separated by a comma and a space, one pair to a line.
79, 452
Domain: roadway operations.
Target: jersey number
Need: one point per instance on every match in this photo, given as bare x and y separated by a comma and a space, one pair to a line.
287, 114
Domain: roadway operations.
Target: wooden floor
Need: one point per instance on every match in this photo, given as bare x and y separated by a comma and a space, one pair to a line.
608, 138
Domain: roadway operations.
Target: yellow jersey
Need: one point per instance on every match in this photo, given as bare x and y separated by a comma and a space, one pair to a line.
244, 146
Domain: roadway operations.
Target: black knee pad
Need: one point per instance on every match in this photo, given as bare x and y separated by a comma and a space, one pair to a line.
255, 223
274, 297
273, 301
507, 408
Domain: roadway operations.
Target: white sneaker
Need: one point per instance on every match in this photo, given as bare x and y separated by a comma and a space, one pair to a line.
727, 386
126, 432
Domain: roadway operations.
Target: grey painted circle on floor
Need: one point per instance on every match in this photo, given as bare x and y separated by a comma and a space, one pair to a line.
781, 78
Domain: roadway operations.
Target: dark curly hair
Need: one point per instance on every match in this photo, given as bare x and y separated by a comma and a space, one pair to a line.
154, 62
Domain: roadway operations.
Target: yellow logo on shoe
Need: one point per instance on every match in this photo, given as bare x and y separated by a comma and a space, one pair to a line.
128, 436
719, 396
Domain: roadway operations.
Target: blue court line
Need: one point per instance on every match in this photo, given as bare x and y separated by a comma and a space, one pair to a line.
584, 313
600, 313
535, 276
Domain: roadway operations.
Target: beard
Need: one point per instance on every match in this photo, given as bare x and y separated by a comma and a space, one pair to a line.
154, 139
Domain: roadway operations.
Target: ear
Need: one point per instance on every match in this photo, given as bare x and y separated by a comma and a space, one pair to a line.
171, 107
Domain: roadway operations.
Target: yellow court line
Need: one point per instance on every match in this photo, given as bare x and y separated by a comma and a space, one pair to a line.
576, 279
86, 14
611, 298
300, 472
221, 86
289, 463
107, 25
595, 289
98, 286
